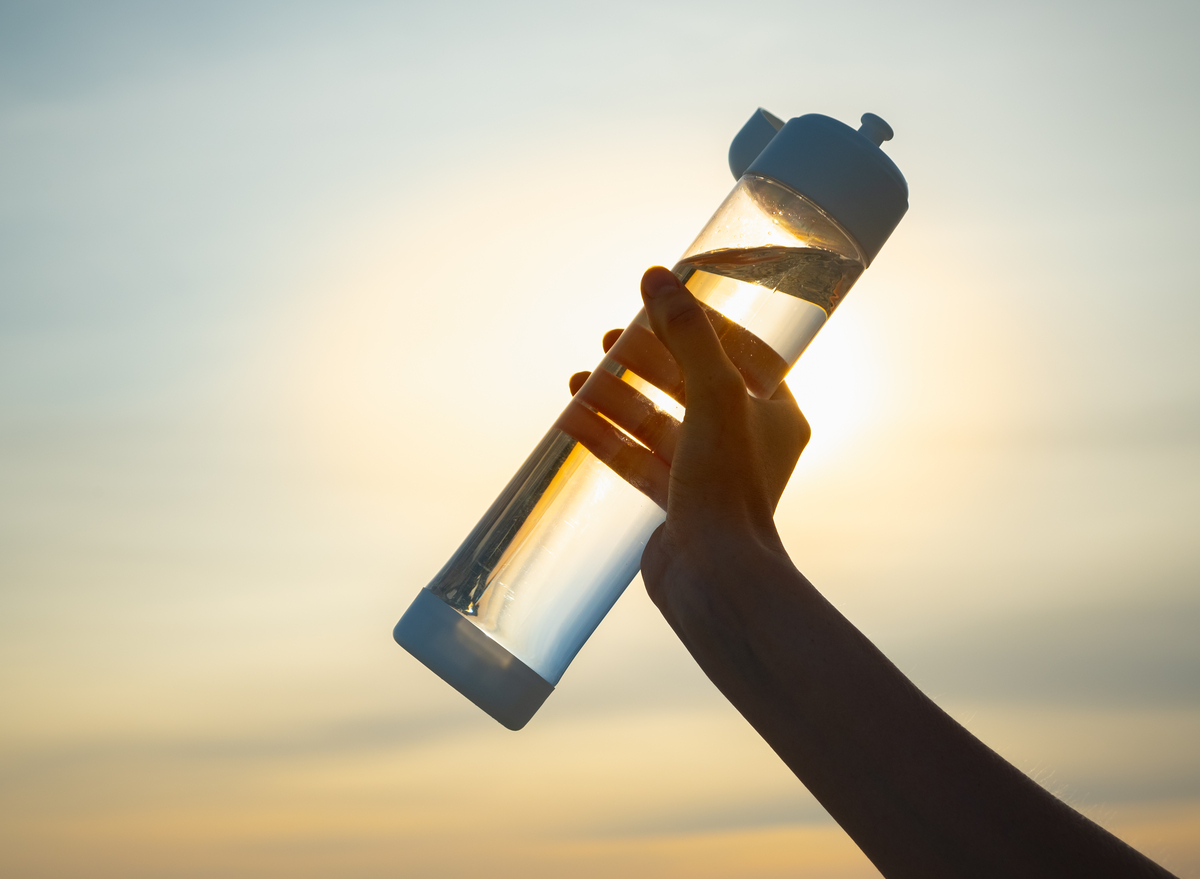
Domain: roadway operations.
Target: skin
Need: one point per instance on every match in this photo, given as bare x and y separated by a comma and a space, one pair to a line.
919, 794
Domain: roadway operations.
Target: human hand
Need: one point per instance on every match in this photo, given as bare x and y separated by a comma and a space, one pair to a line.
733, 457
719, 473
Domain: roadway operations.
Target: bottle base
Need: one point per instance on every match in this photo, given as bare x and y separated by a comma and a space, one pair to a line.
464, 657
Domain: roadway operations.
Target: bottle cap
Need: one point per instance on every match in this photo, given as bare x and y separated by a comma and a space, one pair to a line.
842, 171
749, 142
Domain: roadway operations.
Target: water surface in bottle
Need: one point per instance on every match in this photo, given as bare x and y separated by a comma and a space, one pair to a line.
781, 295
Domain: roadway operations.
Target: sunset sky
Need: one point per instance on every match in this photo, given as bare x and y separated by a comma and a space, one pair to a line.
289, 290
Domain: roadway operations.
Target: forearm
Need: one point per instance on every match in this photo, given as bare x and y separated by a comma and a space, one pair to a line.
919, 794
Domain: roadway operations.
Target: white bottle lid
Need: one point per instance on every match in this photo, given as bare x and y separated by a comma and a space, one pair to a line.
842, 171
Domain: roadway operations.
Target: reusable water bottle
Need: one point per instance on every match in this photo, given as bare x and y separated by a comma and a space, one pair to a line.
814, 202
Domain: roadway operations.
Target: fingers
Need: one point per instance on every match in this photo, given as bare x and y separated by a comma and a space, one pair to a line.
681, 324
721, 360
631, 411
639, 467
640, 351
646, 467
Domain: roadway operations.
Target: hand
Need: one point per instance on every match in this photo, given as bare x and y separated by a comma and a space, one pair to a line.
721, 472
734, 455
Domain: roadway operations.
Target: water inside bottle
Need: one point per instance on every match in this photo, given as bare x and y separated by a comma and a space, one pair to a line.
565, 537
781, 295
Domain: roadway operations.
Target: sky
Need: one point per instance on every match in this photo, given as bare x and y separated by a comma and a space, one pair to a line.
288, 291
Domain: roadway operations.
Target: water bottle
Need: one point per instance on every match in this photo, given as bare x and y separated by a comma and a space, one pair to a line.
814, 202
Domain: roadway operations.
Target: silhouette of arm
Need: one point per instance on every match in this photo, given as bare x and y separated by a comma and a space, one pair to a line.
918, 793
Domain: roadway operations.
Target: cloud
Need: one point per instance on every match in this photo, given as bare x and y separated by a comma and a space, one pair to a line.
1128, 654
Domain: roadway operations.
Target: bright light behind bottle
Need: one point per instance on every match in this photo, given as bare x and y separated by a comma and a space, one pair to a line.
840, 385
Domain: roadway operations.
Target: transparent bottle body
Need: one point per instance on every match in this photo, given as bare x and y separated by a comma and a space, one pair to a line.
565, 537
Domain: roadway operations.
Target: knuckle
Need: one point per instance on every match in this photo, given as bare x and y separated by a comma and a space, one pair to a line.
684, 314
727, 388
803, 430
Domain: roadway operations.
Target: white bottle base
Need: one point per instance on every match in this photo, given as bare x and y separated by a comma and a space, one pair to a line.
464, 657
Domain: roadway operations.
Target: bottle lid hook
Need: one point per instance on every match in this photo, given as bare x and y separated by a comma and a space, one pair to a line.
875, 129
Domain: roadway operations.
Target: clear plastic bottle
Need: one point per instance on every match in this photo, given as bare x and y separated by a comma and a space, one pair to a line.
506, 615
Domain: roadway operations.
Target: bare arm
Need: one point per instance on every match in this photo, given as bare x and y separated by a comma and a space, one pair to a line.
918, 793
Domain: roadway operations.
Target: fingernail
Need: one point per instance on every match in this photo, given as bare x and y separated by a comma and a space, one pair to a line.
661, 283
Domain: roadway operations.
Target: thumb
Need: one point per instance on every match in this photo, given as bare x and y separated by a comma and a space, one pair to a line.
682, 326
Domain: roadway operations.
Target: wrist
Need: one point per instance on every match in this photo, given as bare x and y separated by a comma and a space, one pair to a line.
723, 584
